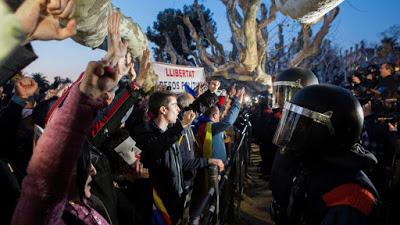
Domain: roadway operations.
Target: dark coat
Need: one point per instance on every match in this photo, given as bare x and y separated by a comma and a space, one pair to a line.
162, 156
10, 119
320, 193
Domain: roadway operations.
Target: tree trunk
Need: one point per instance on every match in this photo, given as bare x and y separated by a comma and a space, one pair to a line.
250, 59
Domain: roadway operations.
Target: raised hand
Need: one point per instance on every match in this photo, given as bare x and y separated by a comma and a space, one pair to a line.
40, 19
240, 95
50, 29
25, 87
232, 91
140, 171
144, 68
132, 73
98, 80
123, 67
367, 109
61, 8
61, 89
187, 118
392, 127
200, 89
117, 48
131, 69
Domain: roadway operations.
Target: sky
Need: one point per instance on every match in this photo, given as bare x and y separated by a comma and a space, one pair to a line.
358, 20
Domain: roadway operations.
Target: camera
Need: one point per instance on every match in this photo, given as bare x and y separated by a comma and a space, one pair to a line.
367, 77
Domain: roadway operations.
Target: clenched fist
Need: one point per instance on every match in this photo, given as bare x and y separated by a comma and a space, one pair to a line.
25, 87
98, 80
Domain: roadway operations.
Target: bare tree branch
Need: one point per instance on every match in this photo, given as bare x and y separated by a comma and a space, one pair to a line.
203, 55
209, 33
170, 49
237, 32
236, 15
181, 33
328, 19
186, 48
272, 15
200, 48
175, 57
232, 76
244, 5
311, 49
306, 36
241, 77
264, 11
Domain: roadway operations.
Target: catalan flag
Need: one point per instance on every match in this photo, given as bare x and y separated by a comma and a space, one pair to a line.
160, 214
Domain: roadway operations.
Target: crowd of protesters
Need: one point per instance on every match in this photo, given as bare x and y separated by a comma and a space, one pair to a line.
61, 163
103, 150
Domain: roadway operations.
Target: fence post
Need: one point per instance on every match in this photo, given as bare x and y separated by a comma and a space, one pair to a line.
213, 181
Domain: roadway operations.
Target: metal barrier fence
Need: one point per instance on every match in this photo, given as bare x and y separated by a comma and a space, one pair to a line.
222, 202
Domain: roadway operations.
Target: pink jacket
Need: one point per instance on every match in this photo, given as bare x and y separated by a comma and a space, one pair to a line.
52, 167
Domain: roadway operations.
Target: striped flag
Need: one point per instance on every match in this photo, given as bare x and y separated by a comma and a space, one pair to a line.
160, 214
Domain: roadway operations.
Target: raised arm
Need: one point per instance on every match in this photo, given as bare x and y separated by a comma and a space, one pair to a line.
231, 116
50, 171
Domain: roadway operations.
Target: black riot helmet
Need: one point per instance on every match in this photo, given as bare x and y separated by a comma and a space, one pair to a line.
288, 82
320, 120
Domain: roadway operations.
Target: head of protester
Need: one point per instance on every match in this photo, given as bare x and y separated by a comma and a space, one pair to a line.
124, 156
164, 107
85, 171
288, 82
386, 69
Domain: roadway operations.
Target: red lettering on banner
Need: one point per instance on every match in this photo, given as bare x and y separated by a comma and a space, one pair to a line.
179, 73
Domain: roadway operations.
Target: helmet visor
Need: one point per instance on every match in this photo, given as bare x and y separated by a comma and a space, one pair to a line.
283, 92
296, 123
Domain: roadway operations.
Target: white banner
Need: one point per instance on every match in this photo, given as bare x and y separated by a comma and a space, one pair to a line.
176, 76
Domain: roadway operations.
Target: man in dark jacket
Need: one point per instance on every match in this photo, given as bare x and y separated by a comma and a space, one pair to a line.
388, 85
161, 153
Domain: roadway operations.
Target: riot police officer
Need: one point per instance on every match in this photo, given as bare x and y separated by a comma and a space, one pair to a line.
285, 86
319, 129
